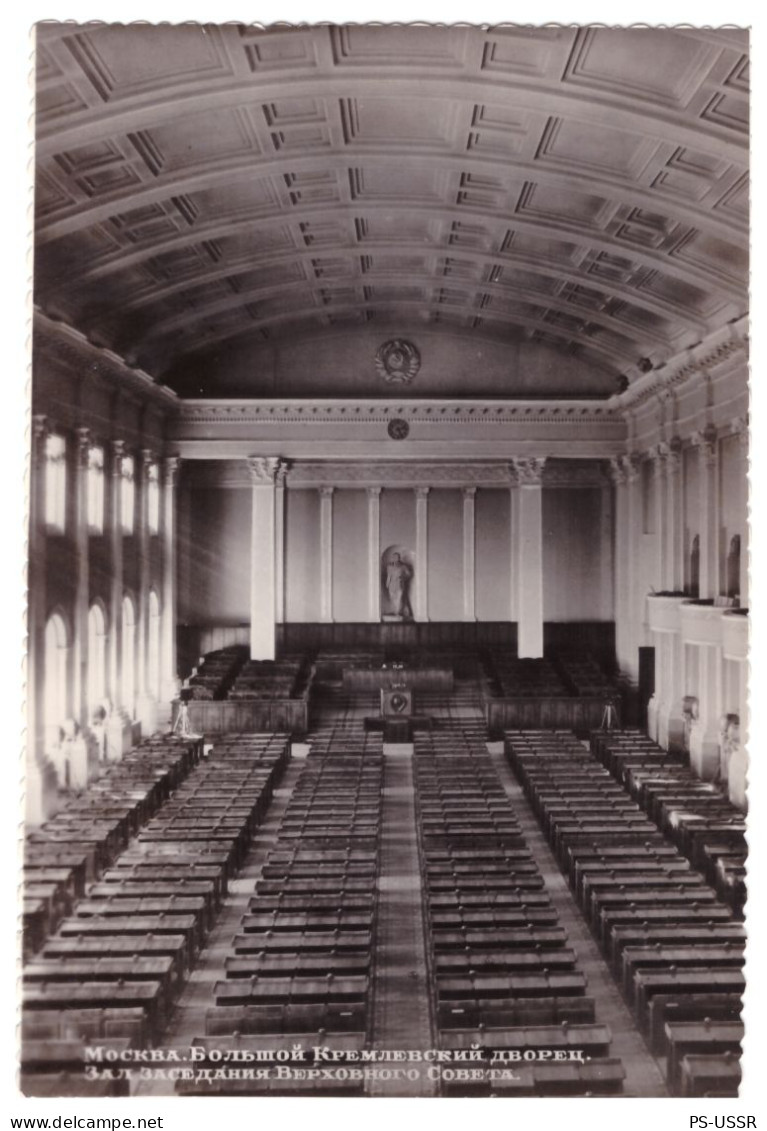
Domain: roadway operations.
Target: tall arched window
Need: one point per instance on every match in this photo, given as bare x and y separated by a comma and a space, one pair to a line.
153, 652
695, 567
153, 498
56, 700
129, 657
55, 482
97, 658
733, 567
96, 490
128, 516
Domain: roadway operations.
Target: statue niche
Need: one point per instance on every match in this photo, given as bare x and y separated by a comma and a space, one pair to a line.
397, 571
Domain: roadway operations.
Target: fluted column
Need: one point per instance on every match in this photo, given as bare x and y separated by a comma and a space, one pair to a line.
739, 428
674, 563
326, 554
114, 519
707, 444
606, 552
421, 579
658, 457
279, 541
634, 601
469, 497
617, 473
168, 663
374, 554
529, 557
80, 622
145, 703
263, 591
40, 778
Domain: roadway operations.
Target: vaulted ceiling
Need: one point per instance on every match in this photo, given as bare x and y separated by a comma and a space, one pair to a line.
202, 189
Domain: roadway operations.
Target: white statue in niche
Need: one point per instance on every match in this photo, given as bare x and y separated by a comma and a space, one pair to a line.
396, 578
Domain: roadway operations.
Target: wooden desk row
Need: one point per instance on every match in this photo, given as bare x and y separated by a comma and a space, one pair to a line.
503, 977
302, 961
131, 941
696, 815
85, 836
675, 949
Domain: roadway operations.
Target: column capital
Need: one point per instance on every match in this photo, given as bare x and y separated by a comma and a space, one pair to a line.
171, 464
632, 466
468, 492
326, 492
373, 492
146, 458
421, 492
118, 454
657, 457
616, 471
529, 470
40, 427
706, 442
739, 428
281, 474
84, 444
671, 452
263, 470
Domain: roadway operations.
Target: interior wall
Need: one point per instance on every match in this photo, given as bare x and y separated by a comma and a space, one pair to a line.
350, 555
219, 577
572, 548
397, 520
492, 562
302, 555
445, 555
214, 550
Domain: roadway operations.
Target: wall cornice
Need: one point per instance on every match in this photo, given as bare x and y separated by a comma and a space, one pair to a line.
63, 344
369, 411
728, 342
373, 474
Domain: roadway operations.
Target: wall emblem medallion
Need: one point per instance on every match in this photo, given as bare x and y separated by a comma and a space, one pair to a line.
397, 361
398, 429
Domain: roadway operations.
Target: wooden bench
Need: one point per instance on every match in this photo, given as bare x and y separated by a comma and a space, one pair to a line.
510, 985
94, 1025
146, 995
691, 980
297, 965
141, 925
119, 946
688, 1007
280, 1019
695, 1038
275, 990
713, 1076
712, 956
506, 1013
493, 962
671, 935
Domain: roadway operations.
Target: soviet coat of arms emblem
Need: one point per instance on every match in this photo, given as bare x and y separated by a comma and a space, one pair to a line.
398, 361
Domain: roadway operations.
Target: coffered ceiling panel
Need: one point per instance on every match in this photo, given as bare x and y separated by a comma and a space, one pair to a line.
200, 188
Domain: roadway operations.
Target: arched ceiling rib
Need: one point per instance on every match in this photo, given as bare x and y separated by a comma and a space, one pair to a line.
586, 188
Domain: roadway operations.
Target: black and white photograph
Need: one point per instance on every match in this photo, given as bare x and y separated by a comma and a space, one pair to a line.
387, 654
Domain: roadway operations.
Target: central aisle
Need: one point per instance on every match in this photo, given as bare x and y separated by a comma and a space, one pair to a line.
401, 998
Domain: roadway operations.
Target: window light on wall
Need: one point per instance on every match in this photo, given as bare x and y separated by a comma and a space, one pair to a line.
96, 490
127, 472
55, 482
153, 498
